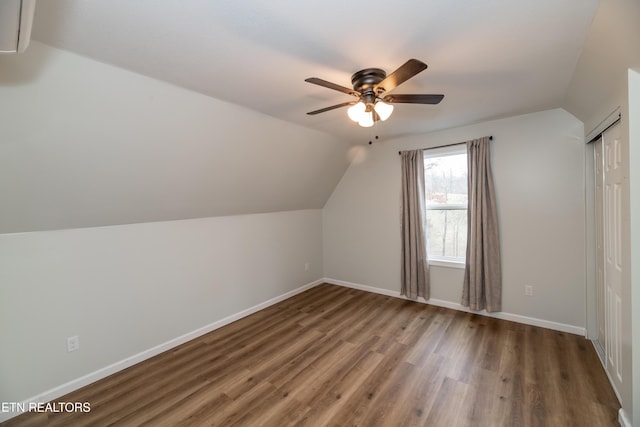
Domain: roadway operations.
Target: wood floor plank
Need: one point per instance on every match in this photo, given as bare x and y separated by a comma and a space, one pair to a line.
341, 392
507, 406
364, 399
334, 356
288, 372
448, 405
360, 325
419, 393
328, 373
426, 344
390, 397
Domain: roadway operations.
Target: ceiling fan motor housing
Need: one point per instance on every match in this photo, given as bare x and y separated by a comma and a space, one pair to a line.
365, 81
370, 85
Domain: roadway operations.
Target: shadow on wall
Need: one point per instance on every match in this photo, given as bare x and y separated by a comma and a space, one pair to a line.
24, 68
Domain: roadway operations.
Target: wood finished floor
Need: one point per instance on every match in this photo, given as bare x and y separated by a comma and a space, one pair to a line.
334, 356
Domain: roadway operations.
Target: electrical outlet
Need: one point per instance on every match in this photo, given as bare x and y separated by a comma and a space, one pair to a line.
528, 290
307, 265
73, 343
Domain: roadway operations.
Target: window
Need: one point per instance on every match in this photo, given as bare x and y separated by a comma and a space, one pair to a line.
445, 175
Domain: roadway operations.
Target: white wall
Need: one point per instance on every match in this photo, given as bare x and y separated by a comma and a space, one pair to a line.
88, 144
538, 165
125, 289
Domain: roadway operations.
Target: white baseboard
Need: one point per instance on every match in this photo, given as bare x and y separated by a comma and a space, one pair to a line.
78, 383
601, 356
599, 350
456, 306
623, 419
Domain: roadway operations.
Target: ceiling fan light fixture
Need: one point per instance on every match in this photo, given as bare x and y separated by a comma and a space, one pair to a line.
369, 87
357, 111
367, 119
383, 109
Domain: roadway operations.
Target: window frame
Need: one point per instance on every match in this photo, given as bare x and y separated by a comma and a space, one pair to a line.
444, 261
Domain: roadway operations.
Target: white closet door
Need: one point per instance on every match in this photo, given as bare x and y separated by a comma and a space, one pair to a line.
613, 192
599, 219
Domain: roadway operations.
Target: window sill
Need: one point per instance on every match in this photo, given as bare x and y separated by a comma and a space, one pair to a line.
447, 263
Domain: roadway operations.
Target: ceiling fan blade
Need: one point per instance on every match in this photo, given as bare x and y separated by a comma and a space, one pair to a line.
324, 83
333, 107
402, 74
413, 99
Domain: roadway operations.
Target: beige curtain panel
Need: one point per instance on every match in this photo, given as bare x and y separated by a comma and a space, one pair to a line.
415, 270
482, 288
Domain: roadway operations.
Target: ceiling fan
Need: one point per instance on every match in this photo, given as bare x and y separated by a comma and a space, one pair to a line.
370, 86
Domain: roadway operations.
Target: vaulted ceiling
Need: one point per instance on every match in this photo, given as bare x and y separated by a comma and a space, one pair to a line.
491, 59
127, 111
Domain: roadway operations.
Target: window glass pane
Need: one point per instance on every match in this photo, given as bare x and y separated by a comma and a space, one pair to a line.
446, 179
447, 233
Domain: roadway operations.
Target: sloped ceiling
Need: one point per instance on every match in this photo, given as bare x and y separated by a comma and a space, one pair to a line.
600, 79
491, 59
86, 144
133, 111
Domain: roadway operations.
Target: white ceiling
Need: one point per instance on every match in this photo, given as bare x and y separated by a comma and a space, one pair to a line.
491, 59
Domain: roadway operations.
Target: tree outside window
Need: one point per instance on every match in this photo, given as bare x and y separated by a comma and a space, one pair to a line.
445, 174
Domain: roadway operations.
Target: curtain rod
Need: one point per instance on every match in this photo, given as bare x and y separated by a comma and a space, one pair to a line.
448, 145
